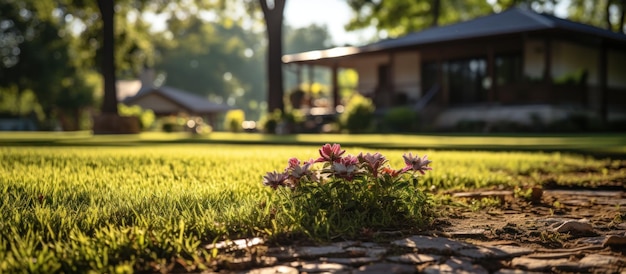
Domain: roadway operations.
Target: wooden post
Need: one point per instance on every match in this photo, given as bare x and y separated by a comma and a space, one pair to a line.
335, 80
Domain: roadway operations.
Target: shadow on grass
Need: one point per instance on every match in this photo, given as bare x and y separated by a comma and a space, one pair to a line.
595, 145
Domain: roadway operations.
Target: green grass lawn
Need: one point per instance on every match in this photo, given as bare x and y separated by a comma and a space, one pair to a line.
73, 202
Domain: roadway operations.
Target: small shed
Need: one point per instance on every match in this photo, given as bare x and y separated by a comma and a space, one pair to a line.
164, 101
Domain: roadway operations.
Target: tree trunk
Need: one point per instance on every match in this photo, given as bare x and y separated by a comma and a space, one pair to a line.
436, 11
274, 22
620, 27
109, 104
607, 15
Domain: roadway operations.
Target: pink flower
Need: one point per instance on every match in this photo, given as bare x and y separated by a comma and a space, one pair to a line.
274, 179
372, 162
295, 171
346, 167
416, 163
330, 153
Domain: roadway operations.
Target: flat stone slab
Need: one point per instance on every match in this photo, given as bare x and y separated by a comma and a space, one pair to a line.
315, 251
437, 244
413, 258
597, 260
455, 265
324, 268
614, 240
236, 244
511, 251
366, 251
387, 268
274, 270
543, 264
575, 226
469, 233
359, 261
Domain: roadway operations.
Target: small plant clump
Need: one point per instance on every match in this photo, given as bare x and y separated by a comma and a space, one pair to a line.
342, 195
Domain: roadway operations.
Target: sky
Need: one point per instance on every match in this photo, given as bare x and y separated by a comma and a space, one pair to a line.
335, 14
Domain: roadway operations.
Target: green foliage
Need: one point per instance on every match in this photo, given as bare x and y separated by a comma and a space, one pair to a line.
19, 104
269, 122
233, 120
358, 115
146, 116
400, 119
399, 17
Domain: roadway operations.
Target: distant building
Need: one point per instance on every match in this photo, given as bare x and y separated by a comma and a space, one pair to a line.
165, 101
509, 65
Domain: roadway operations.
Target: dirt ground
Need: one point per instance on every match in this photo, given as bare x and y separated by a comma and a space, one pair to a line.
533, 224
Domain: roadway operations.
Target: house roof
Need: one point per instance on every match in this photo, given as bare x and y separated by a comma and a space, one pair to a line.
511, 21
191, 102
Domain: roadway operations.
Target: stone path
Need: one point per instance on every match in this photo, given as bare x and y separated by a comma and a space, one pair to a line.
427, 254
470, 250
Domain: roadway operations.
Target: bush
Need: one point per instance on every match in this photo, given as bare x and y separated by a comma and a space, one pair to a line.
233, 120
146, 116
400, 119
358, 115
269, 122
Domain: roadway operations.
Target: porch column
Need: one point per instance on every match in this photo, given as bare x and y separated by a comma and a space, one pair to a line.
335, 83
391, 82
547, 62
298, 76
547, 69
443, 86
602, 81
311, 79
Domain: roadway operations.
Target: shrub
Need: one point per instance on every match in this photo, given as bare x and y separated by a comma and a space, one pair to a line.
270, 121
400, 119
234, 119
146, 116
358, 115
337, 194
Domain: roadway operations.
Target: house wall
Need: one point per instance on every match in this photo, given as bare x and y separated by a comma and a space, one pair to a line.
407, 74
367, 68
533, 59
616, 72
158, 104
569, 59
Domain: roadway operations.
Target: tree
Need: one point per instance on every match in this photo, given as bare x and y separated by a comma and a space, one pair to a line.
214, 59
109, 104
399, 17
273, 15
37, 56
312, 37
607, 14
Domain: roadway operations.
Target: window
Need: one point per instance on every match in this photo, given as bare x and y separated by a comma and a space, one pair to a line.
508, 69
463, 78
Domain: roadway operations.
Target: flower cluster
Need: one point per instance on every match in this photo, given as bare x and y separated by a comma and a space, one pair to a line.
337, 166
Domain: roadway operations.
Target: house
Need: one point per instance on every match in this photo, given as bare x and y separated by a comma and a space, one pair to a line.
166, 101
517, 64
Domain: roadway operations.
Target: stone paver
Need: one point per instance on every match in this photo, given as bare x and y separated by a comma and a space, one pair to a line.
428, 243
456, 265
387, 268
413, 258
